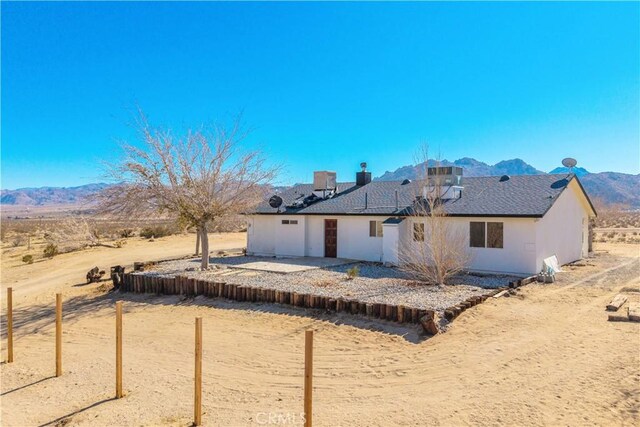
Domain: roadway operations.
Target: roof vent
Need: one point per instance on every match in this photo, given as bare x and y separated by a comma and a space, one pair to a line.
324, 180
504, 178
406, 181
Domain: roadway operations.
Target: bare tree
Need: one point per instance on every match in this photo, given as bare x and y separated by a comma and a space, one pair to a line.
197, 178
436, 248
75, 233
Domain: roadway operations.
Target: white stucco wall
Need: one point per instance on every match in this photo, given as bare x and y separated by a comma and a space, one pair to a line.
563, 231
314, 245
290, 238
354, 241
390, 243
268, 236
261, 235
518, 254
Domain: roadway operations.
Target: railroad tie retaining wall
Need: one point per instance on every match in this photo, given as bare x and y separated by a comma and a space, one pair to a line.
181, 285
454, 311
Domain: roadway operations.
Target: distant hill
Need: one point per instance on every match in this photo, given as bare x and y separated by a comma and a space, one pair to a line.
613, 187
472, 167
610, 187
49, 195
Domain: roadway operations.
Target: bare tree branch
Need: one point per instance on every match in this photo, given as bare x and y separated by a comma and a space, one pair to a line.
435, 248
198, 178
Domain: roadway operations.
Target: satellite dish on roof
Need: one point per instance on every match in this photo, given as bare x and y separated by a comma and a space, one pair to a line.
275, 201
569, 162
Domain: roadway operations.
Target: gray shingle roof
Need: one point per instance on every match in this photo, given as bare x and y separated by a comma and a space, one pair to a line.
521, 195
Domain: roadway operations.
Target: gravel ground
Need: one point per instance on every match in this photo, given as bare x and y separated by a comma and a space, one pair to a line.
375, 283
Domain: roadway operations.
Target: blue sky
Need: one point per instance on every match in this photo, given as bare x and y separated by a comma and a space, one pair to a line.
324, 85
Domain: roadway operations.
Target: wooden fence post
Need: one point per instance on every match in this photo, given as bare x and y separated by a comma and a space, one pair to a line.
58, 335
308, 377
9, 325
197, 407
118, 349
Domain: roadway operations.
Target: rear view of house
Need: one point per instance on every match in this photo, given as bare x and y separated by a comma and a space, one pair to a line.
509, 224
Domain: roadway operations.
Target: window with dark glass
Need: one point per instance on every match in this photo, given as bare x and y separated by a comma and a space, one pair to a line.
476, 234
494, 234
375, 228
372, 229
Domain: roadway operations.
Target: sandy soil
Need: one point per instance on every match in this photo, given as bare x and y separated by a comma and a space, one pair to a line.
545, 356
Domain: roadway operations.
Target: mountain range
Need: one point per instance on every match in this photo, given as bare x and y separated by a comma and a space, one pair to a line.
42, 196
610, 187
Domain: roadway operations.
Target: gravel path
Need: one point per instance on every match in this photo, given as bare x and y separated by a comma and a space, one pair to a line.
375, 283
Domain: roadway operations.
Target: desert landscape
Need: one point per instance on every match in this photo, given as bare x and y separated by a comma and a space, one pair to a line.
319, 214
545, 354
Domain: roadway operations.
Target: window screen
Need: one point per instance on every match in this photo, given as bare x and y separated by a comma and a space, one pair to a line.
476, 234
418, 232
494, 234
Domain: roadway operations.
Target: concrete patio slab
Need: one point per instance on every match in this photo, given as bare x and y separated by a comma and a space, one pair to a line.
290, 265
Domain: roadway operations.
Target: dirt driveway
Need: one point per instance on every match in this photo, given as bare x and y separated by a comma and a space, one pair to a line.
545, 356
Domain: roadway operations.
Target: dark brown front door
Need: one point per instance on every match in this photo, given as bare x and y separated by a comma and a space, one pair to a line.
331, 238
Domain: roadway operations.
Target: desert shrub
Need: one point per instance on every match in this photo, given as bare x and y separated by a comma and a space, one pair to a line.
353, 272
50, 250
157, 231
324, 283
127, 232
17, 241
27, 259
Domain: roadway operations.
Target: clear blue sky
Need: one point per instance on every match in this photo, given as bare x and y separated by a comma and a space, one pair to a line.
325, 85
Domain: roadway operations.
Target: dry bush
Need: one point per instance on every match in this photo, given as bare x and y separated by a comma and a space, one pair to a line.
157, 231
127, 232
615, 215
50, 250
353, 272
440, 250
73, 234
17, 241
325, 283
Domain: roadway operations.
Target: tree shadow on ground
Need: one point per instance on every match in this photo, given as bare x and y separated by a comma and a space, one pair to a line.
410, 332
35, 319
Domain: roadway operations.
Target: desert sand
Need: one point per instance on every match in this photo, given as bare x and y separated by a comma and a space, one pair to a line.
545, 356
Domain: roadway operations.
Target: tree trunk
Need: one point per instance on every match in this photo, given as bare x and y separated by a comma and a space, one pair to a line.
204, 238
197, 241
